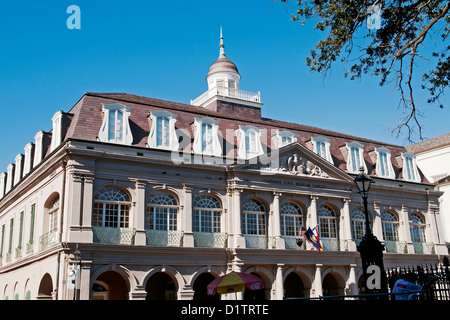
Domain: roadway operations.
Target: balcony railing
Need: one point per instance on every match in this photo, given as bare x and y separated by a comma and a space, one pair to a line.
162, 238
424, 247
48, 239
291, 243
108, 235
227, 92
210, 239
395, 247
256, 241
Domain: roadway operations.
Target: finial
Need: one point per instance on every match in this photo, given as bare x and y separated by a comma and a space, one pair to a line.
221, 46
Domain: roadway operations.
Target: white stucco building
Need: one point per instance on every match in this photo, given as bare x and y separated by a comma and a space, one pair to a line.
162, 197
433, 158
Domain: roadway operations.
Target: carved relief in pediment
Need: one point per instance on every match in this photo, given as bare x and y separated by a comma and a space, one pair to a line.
296, 165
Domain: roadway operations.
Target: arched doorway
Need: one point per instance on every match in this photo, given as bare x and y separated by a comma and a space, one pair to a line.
200, 285
161, 286
293, 286
255, 295
45, 288
332, 285
110, 285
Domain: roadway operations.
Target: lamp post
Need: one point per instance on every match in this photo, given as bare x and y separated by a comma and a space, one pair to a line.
370, 248
77, 271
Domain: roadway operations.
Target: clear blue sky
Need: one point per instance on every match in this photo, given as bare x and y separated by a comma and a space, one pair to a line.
163, 49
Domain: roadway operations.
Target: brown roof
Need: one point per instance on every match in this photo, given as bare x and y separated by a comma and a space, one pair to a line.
87, 120
433, 143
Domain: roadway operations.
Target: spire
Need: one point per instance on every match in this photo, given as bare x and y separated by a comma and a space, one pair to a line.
221, 46
222, 63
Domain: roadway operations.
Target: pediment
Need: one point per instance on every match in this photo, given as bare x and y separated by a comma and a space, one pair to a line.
294, 160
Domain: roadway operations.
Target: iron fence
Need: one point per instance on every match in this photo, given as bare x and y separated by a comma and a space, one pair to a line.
434, 280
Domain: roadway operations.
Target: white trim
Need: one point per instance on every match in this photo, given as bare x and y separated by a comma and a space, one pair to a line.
389, 168
350, 165
327, 144
126, 135
415, 171
242, 152
39, 147
57, 130
216, 147
285, 134
172, 135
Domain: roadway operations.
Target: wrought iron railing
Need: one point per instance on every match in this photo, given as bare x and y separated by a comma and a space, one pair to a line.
424, 247
330, 244
48, 239
291, 243
256, 241
108, 235
162, 238
395, 247
210, 239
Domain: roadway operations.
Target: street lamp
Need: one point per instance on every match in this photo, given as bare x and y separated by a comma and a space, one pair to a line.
76, 264
370, 248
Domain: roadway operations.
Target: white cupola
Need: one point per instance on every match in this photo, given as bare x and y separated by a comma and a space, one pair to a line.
223, 84
223, 73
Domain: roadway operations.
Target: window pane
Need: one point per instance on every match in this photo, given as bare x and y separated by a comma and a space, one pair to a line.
206, 138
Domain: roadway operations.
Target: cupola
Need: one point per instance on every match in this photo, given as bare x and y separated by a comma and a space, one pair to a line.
224, 94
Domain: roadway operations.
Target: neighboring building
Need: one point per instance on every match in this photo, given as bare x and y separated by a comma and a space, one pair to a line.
162, 197
433, 159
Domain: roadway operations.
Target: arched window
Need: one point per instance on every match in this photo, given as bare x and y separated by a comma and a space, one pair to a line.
358, 224
206, 215
327, 222
111, 208
291, 219
53, 214
162, 212
417, 227
389, 222
254, 218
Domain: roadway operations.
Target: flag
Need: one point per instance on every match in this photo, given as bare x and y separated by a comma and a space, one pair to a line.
312, 236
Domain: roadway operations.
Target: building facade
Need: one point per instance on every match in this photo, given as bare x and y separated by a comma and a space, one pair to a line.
159, 198
433, 158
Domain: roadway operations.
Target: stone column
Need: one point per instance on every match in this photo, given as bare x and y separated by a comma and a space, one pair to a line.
404, 233
312, 219
346, 227
139, 213
351, 282
377, 227
87, 209
317, 284
238, 240
278, 240
85, 280
279, 287
74, 199
188, 240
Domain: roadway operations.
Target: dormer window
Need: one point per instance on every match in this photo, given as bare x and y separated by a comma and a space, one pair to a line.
355, 157
56, 131
384, 166
321, 146
285, 137
249, 142
116, 127
410, 172
162, 132
206, 139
